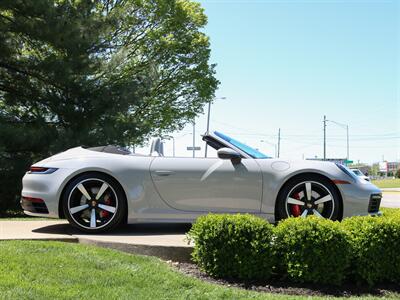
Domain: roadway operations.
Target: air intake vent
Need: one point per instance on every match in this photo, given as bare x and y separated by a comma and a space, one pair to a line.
374, 203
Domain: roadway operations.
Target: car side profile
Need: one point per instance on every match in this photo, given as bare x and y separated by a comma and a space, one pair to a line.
97, 189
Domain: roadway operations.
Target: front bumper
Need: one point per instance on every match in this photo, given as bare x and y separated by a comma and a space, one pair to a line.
361, 198
374, 203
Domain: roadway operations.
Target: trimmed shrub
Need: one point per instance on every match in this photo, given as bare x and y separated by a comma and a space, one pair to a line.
233, 246
312, 250
375, 247
303, 250
390, 212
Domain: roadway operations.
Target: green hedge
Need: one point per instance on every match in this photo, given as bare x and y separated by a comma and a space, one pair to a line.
375, 248
312, 250
390, 212
236, 246
315, 250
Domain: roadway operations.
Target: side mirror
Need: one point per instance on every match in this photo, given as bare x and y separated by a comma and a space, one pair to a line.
228, 153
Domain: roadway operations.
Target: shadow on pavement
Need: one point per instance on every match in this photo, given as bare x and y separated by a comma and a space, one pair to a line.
126, 230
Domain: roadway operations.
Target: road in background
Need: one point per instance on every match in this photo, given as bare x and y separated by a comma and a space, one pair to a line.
391, 199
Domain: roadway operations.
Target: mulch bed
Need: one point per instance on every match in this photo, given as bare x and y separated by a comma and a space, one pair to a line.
290, 288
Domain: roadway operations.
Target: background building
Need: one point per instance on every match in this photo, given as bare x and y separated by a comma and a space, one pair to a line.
387, 168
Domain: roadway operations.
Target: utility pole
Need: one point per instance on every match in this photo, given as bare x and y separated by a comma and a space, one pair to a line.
208, 125
208, 120
345, 126
279, 142
324, 137
194, 138
173, 146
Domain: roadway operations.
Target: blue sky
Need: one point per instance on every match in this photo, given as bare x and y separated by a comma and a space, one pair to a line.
284, 64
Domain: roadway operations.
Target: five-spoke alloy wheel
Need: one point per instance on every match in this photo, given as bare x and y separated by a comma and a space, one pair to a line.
309, 195
94, 202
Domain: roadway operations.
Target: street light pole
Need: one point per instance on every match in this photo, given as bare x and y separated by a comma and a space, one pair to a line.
173, 146
208, 120
208, 116
324, 137
348, 147
194, 138
279, 142
208, 125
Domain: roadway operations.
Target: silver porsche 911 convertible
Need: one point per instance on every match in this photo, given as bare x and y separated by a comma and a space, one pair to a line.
97, 189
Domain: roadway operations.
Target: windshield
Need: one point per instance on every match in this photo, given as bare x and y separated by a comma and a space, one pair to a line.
250, 151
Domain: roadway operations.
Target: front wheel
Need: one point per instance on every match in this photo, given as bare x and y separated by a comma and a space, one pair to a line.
308, 195
94, 203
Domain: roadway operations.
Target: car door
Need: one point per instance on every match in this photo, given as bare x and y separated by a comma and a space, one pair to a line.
208, 184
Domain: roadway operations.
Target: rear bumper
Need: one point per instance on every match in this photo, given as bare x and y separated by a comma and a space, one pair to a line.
46, 187
34, 206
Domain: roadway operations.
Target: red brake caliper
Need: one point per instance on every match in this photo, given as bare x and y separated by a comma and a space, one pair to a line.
295, 208
104, 213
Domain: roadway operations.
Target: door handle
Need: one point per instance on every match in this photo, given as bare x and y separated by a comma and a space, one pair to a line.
164, 172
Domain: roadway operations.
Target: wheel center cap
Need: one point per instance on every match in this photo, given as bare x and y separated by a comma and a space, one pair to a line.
93, 203
309, 205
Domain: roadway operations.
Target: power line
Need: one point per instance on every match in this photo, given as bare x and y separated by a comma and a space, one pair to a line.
250, 132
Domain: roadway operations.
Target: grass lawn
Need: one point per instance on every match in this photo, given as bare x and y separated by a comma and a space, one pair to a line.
387, 183
55, 270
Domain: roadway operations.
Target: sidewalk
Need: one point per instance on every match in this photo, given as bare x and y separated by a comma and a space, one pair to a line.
34, 230
167, 241
390, 189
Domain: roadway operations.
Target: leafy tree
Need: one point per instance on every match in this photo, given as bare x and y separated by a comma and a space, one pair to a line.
96, 72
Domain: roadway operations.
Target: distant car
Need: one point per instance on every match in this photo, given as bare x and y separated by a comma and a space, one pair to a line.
97, 189
360, 174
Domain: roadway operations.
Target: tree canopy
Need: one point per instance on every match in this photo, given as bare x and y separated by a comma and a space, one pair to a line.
83, 72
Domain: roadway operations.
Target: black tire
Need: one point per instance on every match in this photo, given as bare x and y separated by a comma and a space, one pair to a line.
109, 209
287, 207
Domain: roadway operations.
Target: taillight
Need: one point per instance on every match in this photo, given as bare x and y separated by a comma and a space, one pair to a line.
41, 170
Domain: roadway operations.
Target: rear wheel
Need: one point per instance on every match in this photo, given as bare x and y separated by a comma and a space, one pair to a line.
94, 202
308, 195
